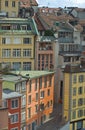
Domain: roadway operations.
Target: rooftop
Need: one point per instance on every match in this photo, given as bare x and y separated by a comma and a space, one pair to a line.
28, 3
7, 94
33, 74
20, 21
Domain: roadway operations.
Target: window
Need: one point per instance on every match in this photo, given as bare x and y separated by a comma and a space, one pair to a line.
79, 125
30, 86
6, 40
5, 105
74, 79
36, 108
80, 90
48, 104
36, 96
14, 129
23, 85
23, 115
13, 3
29, 99
28, 27
14, 118
16, 65
27, 52
74, 91
14, 103
45, 82
48, 92
40, 82
6, 27
6, 53
6, 3
24, 27
23, 99
50, 81
74, 102
36, 85
81, 78
18, 87
29, 112
16, 52
42, 94
26, 65
3, 40
23, 127
16, 40
74, 114
27, 40
80, 101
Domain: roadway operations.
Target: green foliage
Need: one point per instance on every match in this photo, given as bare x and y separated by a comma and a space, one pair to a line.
49, 33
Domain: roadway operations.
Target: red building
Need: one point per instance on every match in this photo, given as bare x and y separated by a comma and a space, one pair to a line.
12, 100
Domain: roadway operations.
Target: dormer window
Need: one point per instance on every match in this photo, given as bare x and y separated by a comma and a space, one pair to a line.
24, 27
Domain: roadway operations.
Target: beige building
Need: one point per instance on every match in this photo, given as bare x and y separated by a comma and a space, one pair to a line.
9, 7
17, 39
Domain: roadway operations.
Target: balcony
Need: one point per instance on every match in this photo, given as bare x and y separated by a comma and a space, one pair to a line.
70, 52
16, 31
49, 48
65, 40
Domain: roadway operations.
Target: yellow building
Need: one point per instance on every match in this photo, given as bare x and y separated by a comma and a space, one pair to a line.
74, 96
10, 7
17, 38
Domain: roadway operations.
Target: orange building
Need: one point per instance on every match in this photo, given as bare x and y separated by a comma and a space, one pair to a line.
39, 97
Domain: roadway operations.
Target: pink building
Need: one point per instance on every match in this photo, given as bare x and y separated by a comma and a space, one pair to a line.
46, 53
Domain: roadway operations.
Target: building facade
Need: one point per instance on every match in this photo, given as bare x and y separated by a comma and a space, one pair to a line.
17, 41
37, 89
46, 53
74, 97
12, 100
9, 8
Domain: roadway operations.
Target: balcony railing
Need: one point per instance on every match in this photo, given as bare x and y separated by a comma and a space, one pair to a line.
65, 40
69, 52
45, 49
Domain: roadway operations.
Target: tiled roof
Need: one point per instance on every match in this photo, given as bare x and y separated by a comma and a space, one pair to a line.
28, 21
50, 19
50, 10
80, 9
82, 22
79, 27
40, 26
28, 3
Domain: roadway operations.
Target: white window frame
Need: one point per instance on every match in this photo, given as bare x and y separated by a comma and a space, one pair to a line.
16, 118
14, 128
15, 107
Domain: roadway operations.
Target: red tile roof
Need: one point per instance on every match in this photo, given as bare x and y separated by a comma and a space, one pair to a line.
51, 18
39, 24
